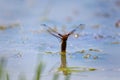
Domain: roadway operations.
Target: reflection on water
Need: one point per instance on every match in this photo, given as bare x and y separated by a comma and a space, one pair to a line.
68, 70
97, 46
63, 65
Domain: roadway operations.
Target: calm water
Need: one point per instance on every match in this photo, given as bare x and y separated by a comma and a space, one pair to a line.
24, 42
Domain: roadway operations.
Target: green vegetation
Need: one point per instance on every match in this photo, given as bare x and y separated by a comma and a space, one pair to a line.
4, 75
39, 71
76, 69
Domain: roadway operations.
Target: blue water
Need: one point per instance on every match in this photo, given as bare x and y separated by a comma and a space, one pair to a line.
28, 43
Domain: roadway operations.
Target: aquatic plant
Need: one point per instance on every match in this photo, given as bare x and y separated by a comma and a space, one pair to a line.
39, 71
4, 75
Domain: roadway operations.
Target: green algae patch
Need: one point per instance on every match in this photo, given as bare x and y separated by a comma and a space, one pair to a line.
91, 69
65, 70
49, 52
70, 70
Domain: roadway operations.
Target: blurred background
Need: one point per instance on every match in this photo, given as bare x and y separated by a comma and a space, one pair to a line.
24, 42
